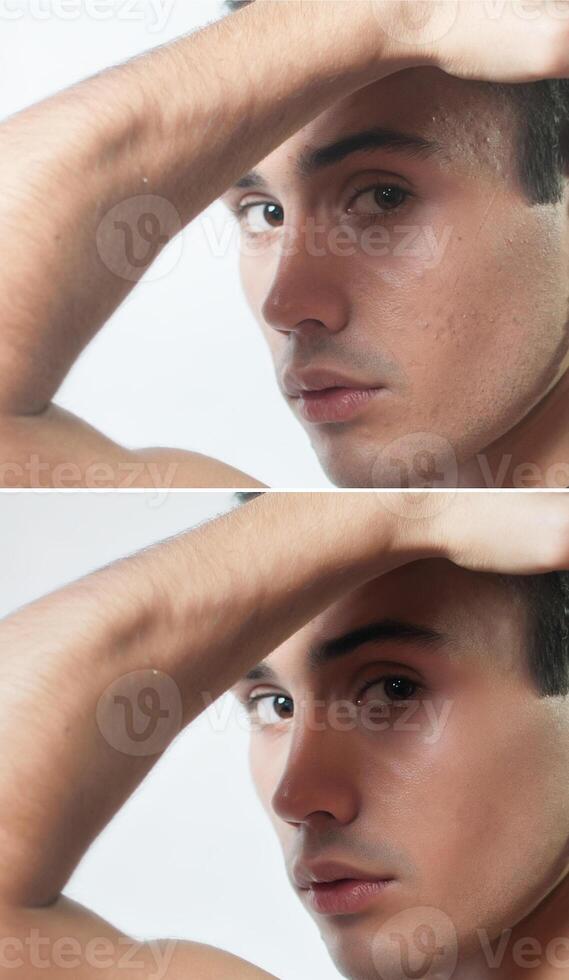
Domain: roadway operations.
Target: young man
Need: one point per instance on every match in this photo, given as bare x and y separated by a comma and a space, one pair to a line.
406, 235
405, 664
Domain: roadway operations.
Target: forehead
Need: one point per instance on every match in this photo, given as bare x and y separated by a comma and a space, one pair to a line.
468, 121
479, 615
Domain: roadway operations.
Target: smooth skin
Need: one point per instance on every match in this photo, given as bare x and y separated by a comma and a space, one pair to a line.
185, 609
56, 290
434, 762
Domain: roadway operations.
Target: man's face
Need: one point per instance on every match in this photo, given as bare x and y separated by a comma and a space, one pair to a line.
400, 736
418, 287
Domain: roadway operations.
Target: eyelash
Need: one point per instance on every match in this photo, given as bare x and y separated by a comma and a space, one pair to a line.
240, 211
250, 703
392, 677
359, 191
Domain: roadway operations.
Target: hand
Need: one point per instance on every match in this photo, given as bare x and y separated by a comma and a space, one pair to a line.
368, 534
493, 41
508, 533
365, 535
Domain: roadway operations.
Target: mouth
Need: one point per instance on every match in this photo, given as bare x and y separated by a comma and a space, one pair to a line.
321, 397
345, 896
334, 404
334, 889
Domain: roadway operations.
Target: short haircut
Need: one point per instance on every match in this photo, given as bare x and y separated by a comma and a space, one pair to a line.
542, 111
546, 599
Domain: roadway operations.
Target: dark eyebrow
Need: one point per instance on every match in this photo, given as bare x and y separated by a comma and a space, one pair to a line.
385, 630
370, 139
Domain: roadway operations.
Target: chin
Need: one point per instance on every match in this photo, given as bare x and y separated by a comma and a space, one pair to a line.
346, 464
415, 461
416, 942
352, 955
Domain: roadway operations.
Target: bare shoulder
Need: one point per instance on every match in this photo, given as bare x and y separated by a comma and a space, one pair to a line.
57, 450
175, 468
67, 939
207, 963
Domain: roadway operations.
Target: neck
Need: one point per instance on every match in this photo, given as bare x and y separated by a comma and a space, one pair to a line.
533, 454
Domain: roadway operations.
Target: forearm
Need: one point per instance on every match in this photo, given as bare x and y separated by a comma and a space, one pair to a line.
201, 609
179, 124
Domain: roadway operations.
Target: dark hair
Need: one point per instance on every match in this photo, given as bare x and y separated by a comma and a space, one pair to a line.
542, 110
546, 598
543, 114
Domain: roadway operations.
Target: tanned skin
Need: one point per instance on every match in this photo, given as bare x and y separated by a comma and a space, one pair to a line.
185, 609
174, 124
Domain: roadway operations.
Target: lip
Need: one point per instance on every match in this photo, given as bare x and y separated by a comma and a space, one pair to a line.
323, 396
346, 896
338, 889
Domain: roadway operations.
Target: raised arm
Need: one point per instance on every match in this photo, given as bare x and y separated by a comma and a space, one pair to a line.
146, 146
192, 614
179, 624
143, 147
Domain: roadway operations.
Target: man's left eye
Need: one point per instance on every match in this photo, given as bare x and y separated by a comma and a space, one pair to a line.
389, 689
378, 199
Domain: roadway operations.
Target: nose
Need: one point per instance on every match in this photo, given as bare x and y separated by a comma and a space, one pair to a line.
318, 782
308, 292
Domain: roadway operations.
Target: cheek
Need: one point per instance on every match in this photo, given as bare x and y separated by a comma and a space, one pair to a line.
264, 769
257, 274
493, 789
483, 312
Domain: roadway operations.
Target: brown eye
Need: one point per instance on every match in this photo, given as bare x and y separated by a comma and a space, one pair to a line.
400, 688
258, 218
389, 689
269, 709
376, 200
390, 197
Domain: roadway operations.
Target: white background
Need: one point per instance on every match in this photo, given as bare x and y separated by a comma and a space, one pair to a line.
182, 363
191, 855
